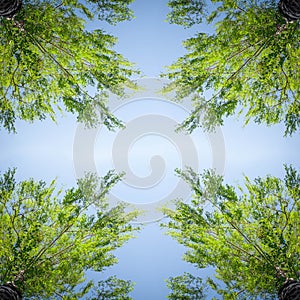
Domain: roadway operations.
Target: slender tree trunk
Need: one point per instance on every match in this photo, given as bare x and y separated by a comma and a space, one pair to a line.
9, 8
290, 290
290, 9
9, 291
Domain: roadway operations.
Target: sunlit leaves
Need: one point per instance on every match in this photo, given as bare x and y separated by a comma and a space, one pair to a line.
250, 236
52, 239
50, 60
250, 63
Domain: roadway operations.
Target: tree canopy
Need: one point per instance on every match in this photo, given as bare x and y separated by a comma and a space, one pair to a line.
51, 60
248, 64
49, 240
249, 235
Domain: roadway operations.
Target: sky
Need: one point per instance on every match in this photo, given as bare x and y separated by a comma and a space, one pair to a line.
45, 150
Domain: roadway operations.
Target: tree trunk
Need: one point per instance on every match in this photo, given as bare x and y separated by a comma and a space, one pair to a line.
289, 9
9, 8
290, 290
9, 291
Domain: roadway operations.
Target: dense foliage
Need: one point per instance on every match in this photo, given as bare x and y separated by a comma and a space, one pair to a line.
49, 59
250, 235
48, 240
249, 63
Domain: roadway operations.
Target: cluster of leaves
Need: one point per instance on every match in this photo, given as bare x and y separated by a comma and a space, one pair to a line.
111, 11
48, 240
50, 59
186, 286
186, 12
251, 237
112, 289
250, 63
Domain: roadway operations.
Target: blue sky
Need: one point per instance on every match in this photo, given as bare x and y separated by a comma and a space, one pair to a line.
44, 150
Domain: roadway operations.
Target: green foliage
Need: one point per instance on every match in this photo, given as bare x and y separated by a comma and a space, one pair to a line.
250, 236
250, 63
111, 11
49, 59
186, 12
113, 289
185, 287
48, 240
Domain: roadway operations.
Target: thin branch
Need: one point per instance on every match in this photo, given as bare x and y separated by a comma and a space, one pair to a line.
59, 5
56, 254
286, 82
257, 247
214, 235
241, 9
59, 295
64, 249
287, 217
243, 250
256, 53
41, 47
85, 62
244, 49
44, 249
12, 222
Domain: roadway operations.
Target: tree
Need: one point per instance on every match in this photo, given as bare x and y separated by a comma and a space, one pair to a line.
249, 64
50, 59
48, 240
250, 235
189, 13
185, 287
